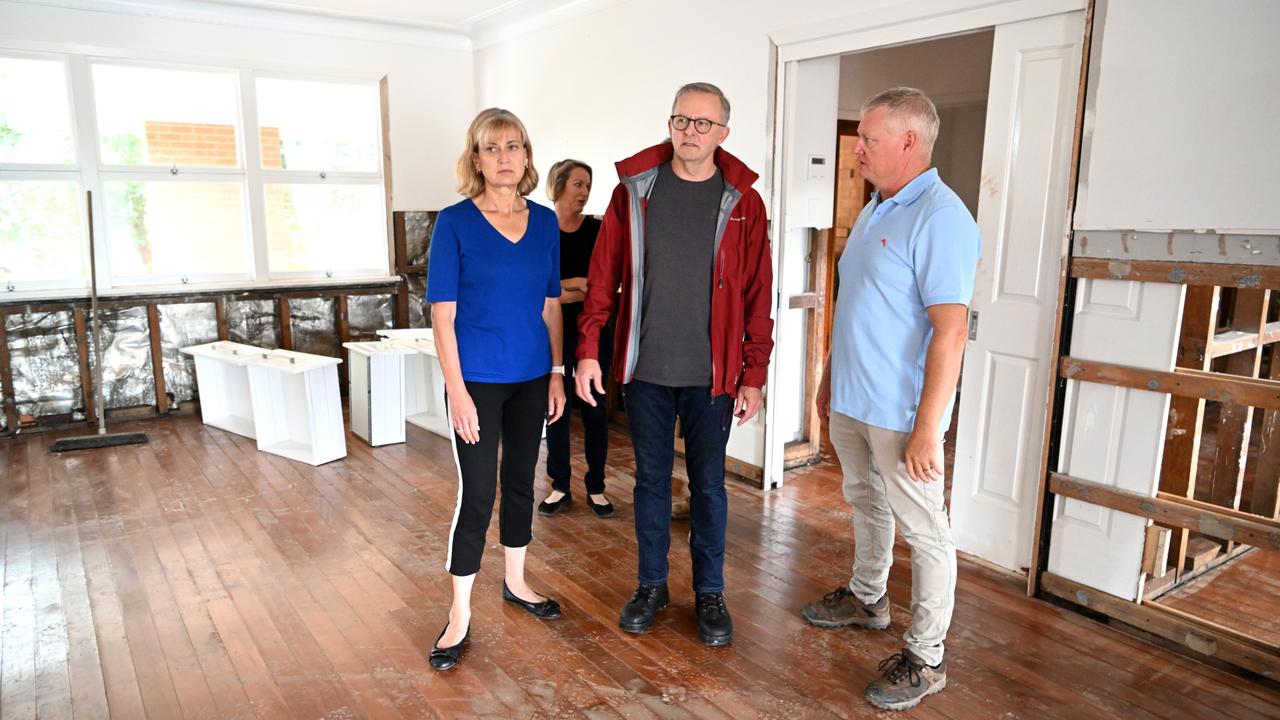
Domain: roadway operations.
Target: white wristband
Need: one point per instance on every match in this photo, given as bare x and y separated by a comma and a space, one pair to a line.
557, 369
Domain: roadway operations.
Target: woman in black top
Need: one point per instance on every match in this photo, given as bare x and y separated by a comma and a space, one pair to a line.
568, 185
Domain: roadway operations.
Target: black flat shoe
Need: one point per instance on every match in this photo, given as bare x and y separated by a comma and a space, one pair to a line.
546, 610
551, 508
604, 510
445, 658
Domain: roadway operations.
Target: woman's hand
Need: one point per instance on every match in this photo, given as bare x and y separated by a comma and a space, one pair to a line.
463, 416
555, 398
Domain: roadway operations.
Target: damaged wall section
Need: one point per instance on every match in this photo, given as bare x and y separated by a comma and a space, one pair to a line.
45, 364
183, 325
313, 325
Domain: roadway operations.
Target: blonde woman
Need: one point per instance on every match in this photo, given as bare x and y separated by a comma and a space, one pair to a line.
494, 287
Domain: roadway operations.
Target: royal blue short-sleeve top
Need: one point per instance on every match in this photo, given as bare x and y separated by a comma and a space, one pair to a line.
500, 288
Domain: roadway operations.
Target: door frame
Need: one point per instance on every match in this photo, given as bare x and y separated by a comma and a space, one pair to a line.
926, 20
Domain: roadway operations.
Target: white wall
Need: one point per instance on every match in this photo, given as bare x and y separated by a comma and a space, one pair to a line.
955, 72
431, 88
1181, 117
951, 71
598, 87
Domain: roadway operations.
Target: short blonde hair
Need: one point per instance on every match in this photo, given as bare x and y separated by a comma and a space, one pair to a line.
558, 176
911, 109
489, 124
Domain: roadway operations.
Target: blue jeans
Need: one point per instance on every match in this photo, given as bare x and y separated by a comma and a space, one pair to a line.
705, 421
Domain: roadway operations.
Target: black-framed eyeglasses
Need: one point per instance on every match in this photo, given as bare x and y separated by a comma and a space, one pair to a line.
702, 125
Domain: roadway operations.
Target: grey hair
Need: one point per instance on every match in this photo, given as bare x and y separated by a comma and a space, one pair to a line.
703, 87
911, 110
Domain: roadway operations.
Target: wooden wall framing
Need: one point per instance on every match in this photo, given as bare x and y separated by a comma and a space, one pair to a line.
1226, 319
79, 308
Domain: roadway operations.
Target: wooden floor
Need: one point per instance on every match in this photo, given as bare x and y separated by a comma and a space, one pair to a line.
1243, 594
197, 578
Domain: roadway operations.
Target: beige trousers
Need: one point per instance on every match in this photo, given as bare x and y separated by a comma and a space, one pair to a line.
884, 496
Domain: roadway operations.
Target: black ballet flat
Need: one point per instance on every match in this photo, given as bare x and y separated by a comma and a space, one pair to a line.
445, 658
603, 510
551, 508
545, 610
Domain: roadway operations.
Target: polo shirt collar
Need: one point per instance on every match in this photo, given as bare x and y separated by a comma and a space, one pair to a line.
914, 189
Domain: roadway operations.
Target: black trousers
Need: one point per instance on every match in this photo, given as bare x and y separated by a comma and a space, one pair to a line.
595, 420
512, 413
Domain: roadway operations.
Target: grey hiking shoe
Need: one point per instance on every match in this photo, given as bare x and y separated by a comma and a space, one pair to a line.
841, 608
906, 680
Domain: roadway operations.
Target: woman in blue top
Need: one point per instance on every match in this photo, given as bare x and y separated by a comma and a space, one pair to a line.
494, 286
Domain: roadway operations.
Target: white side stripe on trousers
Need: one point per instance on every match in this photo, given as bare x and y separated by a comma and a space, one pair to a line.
457, 508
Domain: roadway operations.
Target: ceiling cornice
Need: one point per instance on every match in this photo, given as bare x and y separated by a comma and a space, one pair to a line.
332, 24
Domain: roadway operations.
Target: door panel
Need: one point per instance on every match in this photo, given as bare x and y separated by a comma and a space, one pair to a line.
1022, 215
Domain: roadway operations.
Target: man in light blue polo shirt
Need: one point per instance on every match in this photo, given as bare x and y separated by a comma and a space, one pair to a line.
898, 336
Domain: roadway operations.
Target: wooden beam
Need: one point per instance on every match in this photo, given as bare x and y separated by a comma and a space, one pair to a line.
1173, 511
343, 323
1234, 341
1186, 414
220, 312
1185, 383
157, 358
8, 397
1061, 323
803, 301
1184, 273
82, 353
286, 323
1191, 633
1248, 314
1266, 479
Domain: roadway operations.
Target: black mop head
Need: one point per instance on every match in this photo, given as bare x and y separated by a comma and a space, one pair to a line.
88, 442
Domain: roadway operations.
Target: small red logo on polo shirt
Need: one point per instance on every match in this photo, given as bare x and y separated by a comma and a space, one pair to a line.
884, 242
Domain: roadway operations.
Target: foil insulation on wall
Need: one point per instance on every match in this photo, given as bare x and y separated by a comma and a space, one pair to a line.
418, 225
367, 314
419, 310
127, 378
313, 324
253, 322
183, 325
44, 363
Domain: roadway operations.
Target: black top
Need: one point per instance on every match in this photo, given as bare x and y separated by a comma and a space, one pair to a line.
576, 247
675, 321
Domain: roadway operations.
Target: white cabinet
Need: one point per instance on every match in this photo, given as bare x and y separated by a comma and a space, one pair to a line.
287, 401
377, 397
423, 381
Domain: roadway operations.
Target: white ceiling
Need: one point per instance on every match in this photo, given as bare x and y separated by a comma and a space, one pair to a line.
455, 15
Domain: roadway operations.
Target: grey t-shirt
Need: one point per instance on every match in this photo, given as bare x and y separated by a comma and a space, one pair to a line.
675, 319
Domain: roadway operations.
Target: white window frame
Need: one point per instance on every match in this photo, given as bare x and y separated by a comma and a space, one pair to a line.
36, 172
91, 174
249, 99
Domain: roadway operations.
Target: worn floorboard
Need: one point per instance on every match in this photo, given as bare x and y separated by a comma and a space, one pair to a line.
194, 577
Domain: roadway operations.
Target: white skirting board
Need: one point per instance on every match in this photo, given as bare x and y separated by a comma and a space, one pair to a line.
287, 401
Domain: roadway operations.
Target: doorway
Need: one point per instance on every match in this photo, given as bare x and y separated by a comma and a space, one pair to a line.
1006, 96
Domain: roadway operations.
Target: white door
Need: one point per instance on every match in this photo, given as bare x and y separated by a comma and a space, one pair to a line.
1035, 69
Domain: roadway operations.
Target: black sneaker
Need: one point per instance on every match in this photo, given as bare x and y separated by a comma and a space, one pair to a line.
714, 624
551, 508
642, 609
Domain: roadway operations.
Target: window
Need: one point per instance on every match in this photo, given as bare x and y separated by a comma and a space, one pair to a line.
173, 182
321, 161
41, 216
198, 174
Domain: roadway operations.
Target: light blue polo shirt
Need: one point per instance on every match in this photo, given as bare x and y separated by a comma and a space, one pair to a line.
916, 249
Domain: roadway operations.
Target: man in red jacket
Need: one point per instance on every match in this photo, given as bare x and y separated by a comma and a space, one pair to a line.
685, 237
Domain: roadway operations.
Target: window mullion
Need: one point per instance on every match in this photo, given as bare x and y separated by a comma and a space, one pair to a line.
254, 194
88, 157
